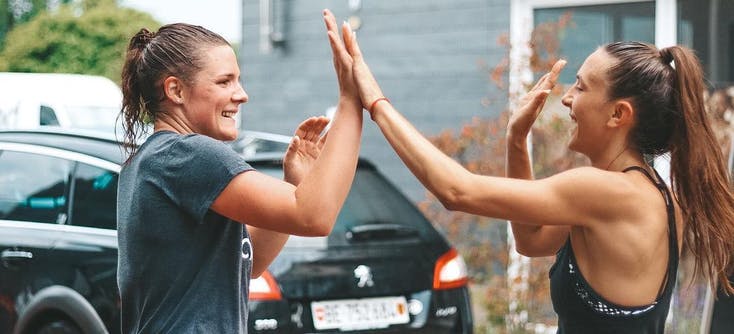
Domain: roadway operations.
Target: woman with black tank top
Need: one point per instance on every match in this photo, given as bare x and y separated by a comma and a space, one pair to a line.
615, 227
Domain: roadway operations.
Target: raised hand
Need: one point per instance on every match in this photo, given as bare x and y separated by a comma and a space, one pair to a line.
342, 60
369, 90
304, 149
532, 103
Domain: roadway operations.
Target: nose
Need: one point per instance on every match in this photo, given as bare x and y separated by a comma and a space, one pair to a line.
240, 96
567, 98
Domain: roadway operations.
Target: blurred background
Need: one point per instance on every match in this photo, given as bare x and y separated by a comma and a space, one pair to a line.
453, 68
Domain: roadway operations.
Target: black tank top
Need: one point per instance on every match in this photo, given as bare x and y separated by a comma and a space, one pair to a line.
581, 310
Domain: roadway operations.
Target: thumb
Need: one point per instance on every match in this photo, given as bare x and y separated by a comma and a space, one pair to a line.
295, 142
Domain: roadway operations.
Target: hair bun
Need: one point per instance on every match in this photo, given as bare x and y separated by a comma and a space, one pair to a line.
142, 38
666, 55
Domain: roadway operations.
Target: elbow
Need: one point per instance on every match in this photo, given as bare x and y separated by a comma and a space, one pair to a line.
256, 273
524, 250
451, 199
319, 226
529, 250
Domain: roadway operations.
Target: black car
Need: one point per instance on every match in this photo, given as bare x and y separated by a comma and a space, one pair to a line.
383, 269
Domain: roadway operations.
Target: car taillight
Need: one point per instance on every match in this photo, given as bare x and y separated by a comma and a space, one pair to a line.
450, 271
264, 288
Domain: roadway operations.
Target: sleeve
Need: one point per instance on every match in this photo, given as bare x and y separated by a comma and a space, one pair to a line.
197, 170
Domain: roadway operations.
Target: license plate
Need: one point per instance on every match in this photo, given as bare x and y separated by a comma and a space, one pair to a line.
359, 314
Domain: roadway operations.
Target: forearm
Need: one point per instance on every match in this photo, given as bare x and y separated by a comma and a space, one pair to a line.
530, 240
440, 174
321, 194
266, 245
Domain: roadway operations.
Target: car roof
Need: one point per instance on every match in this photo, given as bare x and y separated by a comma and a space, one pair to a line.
106, 146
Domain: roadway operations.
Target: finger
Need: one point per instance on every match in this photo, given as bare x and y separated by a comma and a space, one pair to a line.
353, 46
536, 103
294, 144
311, 131
541, 81
304, 127
347, 33
338, 50
318, 129
330, 20
555, 73
322, 141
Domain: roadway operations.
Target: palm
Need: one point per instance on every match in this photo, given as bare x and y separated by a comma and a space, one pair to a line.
531, 104
304, 149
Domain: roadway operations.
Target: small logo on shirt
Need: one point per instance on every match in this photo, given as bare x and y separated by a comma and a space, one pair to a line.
246, 249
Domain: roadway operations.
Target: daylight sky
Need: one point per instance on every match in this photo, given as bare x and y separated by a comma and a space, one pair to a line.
220, 16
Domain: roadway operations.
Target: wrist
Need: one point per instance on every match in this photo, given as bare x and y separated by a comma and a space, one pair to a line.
377, 103
516, 141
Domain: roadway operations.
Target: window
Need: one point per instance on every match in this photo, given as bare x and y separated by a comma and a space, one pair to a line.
33, 187
48, 116
707, 26
94, 200
590, 26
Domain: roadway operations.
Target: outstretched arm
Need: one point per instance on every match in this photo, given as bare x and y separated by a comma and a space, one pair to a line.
576, 197
311, 207
531, 240
302, 153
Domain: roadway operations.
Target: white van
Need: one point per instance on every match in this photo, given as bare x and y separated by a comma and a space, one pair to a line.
29, 100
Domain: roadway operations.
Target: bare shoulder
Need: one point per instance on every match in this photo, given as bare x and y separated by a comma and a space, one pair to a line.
604, 196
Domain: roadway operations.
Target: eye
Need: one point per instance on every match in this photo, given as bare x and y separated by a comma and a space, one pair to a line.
223, 83
578, 86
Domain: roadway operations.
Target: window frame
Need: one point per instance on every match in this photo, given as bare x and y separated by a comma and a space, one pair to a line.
521, 26
74, 158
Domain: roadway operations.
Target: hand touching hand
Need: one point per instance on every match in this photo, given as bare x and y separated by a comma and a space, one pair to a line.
342, 61
369, 90
304, 149
532, 103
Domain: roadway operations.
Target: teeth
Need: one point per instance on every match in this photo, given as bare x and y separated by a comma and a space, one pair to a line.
228, 113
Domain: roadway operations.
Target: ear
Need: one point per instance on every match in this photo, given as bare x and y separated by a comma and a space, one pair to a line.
173, 88
623, 114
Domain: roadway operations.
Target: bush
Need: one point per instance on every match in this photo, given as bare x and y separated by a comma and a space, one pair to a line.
74, 39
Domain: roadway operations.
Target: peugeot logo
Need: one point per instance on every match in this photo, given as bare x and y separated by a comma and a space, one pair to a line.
364, 274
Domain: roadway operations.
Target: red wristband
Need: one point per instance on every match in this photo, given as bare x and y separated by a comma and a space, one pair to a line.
374, 103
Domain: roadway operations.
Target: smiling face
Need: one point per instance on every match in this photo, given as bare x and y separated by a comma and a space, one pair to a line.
590, 107
212, 98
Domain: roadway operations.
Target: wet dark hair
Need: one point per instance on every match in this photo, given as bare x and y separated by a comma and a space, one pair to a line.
666, 88
175, 50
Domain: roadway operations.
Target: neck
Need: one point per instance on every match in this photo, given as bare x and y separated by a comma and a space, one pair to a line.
619, 159
165, 121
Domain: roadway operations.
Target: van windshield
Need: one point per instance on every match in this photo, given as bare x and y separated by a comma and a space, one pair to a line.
101, 118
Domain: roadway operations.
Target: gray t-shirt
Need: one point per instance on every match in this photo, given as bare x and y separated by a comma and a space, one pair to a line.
182, 267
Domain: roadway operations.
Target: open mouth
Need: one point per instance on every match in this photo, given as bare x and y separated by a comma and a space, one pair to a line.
228, 114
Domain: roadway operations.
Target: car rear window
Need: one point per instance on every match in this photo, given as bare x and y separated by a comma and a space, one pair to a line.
374, 212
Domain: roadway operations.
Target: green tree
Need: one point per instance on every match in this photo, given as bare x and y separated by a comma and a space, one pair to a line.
14, 12
87, 38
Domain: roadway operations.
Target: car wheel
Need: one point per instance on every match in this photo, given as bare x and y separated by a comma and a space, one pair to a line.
59, 327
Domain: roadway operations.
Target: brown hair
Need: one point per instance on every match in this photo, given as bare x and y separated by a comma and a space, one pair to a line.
666, 88
175, 50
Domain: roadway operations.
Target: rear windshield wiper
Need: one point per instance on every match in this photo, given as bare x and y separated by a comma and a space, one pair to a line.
375, 231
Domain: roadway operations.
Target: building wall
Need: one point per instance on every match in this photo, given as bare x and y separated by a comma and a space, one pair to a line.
430, 56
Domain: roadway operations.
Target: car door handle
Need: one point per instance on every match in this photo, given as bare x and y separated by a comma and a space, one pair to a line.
16, 255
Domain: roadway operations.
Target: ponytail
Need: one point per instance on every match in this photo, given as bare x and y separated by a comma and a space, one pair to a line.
666, 87
134, 110
699, 175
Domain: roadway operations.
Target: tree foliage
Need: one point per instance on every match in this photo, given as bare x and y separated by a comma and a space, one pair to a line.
87, 38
